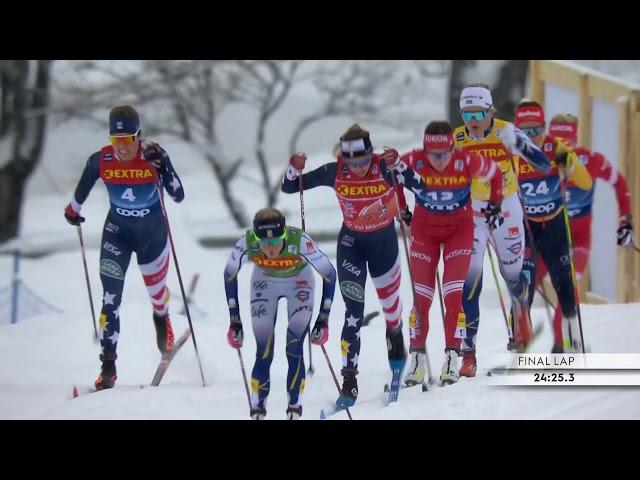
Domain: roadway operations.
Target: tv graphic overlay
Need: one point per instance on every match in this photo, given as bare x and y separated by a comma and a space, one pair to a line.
568, 369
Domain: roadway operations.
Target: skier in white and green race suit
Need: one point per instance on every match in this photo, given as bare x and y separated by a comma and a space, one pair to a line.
281, 255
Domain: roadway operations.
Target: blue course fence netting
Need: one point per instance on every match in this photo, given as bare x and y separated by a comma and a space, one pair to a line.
17, 300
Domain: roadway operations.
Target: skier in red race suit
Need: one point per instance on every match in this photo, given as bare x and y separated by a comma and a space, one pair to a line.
443, 217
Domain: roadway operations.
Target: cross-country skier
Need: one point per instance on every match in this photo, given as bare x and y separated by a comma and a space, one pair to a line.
130, 169
498, 140
443, 216
282, 256
580, 203
363, 184
544, 207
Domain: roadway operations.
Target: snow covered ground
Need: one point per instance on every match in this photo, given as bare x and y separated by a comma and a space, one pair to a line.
41, 358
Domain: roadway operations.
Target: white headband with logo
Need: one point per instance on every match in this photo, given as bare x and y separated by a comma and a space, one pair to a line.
353, 146
475, 97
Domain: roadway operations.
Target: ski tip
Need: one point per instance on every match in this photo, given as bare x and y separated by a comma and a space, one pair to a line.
368, 317
386, 388
75, 392
425, 387
323, 416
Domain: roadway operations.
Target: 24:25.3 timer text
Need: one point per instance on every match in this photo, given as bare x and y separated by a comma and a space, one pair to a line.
553, 377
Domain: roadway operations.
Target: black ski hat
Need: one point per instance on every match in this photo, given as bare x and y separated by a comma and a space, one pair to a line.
271, 228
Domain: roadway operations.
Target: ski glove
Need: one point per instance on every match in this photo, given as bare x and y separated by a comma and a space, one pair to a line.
562, 156
235, 335
509, 138
391, 158
298, 161
493, 214
72, 216
625, 232
406, 216
154, 154
320, 332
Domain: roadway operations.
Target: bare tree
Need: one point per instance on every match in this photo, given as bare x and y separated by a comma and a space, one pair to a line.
376, 92
24, 97
459, 78
263, 84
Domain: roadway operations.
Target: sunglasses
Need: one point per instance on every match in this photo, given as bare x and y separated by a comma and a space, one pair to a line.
129, 139
270, 242
357, 162
479, 116
533, 132
439, 157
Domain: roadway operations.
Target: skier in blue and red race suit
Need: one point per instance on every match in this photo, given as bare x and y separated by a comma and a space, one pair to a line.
130, 169
548, 239
363, 184
580, 204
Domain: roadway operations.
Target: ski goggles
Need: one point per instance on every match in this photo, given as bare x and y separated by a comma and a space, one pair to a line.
479, 116
128, 139
533, 132
270, 242
439, 156
358, 162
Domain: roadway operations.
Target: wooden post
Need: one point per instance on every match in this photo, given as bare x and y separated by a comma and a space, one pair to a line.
584, 139
632, 259
535, 82
622, 258
591, 86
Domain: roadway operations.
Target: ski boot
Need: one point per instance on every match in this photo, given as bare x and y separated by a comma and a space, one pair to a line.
395, 348
449, 373
469, 367
164, 332
258, 413
349, 392
107, 377
415, 375
294, 413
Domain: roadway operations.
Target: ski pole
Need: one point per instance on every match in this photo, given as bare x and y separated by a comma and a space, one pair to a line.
431, 379
175, 261
86, 276
244, 378
500, 297
311, 370
335, 379
563, 189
